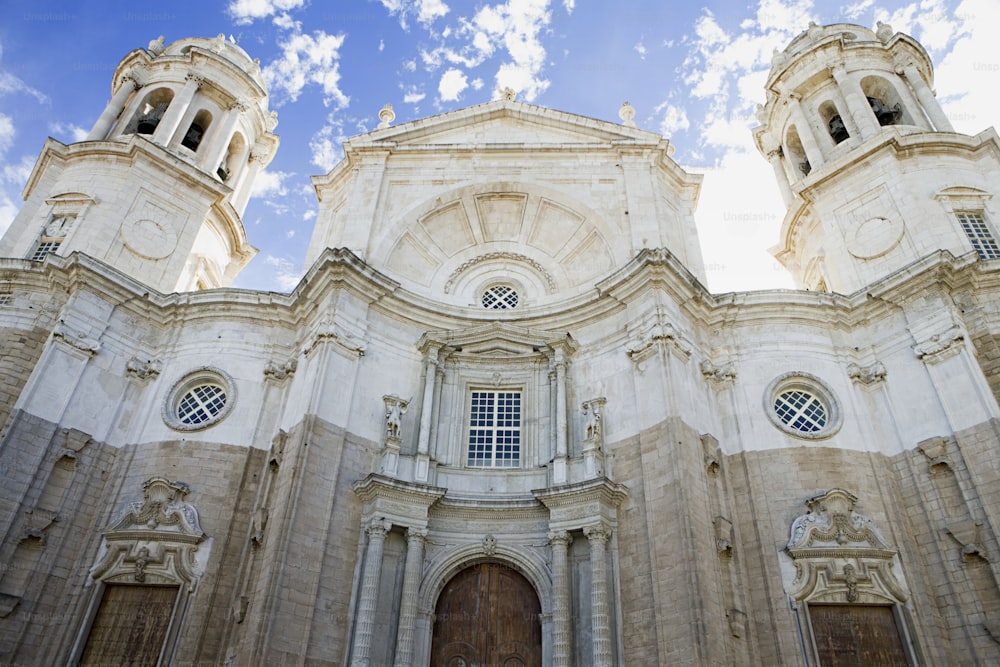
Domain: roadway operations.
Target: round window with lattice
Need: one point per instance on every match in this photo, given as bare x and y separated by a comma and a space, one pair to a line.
500, 297
199, 400
801, 405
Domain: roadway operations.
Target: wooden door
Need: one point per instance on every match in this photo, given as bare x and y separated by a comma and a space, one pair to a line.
852, 635
487, 616
130, 625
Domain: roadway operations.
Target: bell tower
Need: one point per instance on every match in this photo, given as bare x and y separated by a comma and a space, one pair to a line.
872, 172
158, 188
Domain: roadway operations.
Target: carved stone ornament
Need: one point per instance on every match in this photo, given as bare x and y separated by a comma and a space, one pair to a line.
627, 114
489, 545
593, 416
155, 541
78, 340
840, 556
143, 370
348, 342
395, 408
653, 331
718, 374
867, 375
280, 372
940, 346
386, 116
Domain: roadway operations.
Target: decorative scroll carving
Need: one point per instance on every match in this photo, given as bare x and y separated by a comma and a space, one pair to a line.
143, 370
936, 451
652, 331
277, 450
723, 536
347, 342
280, 372
718, 374
76, 339
491, 256
155, 541
840, 556
940, 346
867, 374
489, 545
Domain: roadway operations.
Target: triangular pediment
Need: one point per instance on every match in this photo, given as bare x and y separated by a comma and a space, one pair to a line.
505, 122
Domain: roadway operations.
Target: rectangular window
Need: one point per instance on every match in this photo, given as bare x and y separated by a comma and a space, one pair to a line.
975, 227
45, 247
495, 429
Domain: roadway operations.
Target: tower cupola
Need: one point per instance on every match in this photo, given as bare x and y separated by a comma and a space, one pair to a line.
866, 159
158, 188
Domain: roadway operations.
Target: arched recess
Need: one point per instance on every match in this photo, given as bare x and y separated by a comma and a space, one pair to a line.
149, 565
523, 231
889, 107
149, 112
845, 589
833, 121
795, 155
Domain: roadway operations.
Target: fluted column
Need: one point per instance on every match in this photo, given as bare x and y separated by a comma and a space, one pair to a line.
167, 127
806, 136
426, 415
361, 653
562, 437
114, 109
600, 609
857, 103
925, 96
411, 586
562, 643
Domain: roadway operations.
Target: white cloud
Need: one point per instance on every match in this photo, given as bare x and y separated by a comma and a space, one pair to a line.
307, 59
413, 96
73, 132
7, 133
8, 211
968, 77
309, 215
285, 274
381, 45
326, 145
425, 11
410, 65
452, 83
247, 11
674, 119
271, 184
18, 173
517, 25
570, 5
640, 48
853, 12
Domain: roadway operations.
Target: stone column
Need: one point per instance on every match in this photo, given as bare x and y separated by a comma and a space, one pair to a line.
426, 414
560, 462
212, 153
600, 609
806, 136
242, 190
408, 605
114, 109
562, 641
175, 112
363, 633
781, 176
925, 96
857, 103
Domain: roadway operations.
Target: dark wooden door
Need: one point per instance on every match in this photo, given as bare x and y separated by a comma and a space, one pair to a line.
856, 636
487, 616
130, 625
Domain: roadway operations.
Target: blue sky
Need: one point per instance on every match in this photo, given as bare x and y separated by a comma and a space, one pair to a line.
693, 72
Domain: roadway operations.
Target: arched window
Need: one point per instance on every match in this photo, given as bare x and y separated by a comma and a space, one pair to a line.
796, 154
196, 131
834, 121
150, 112
885, 102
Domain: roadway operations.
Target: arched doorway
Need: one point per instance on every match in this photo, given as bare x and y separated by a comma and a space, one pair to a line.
487, 616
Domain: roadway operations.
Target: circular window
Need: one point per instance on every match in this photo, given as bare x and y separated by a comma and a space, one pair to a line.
500, 297
199, 400
801, 405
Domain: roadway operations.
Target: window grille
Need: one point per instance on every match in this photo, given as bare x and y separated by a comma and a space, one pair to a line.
495, 429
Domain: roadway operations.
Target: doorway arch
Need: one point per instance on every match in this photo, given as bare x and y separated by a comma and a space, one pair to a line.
487, 614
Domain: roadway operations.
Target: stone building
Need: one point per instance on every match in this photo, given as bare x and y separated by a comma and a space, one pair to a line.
501, 421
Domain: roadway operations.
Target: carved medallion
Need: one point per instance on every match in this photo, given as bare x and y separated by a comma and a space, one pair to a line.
149, 239
874, 237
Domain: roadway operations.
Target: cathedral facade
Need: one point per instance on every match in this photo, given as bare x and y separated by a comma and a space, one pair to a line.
500, 420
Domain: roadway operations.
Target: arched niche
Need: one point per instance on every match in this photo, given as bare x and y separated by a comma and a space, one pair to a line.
149, 112
889, 107
795, 155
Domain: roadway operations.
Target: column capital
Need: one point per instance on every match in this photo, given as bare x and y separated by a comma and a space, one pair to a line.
378, 528
416, 534
560, 537
193, 78
599, 532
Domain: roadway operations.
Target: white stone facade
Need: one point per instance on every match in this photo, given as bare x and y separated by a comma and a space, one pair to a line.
502, 354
